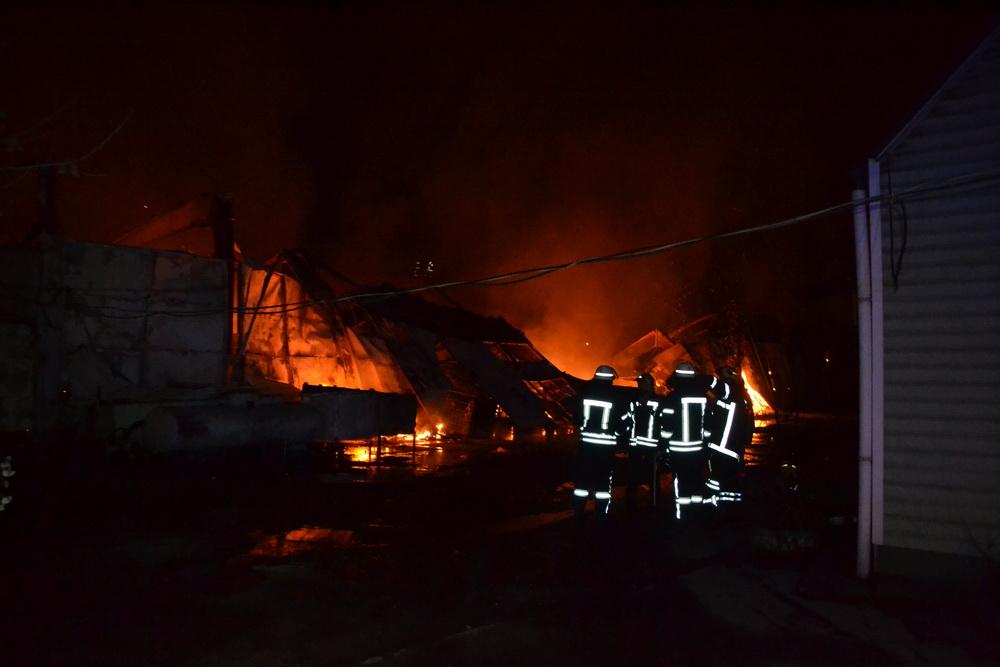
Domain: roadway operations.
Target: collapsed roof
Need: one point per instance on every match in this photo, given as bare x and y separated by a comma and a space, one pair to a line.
464, 369
474, 374
658, 354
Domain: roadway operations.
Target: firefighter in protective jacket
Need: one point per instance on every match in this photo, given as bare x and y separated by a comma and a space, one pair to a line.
731, 428
643, 441
682, 428
601, 419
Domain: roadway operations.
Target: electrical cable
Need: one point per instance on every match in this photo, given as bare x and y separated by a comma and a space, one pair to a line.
895, 262
524, 275
902, 245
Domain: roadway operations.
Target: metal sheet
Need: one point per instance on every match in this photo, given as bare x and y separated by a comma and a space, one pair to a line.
354, 413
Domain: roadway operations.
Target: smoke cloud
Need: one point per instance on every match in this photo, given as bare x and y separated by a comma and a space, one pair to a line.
486, 141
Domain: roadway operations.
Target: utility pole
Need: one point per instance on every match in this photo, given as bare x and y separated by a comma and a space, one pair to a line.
223, 237
47, 199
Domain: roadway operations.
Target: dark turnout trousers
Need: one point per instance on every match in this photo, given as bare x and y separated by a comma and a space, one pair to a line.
642, 470
594, 469
689, 483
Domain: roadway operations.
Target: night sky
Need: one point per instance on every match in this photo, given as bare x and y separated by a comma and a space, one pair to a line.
486, 140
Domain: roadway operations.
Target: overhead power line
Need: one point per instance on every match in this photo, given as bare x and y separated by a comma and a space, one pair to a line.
524, 275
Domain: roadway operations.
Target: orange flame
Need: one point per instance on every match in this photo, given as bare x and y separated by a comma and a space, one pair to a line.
423, 435
757, 400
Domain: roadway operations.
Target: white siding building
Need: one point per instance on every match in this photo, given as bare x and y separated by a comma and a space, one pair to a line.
930, 334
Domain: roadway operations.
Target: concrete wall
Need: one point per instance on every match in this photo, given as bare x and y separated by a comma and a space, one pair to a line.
106, 323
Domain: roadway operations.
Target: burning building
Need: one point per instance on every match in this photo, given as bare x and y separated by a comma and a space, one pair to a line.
658, 354
467, 372
173, 326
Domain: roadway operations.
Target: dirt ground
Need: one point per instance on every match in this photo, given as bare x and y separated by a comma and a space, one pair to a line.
474, 561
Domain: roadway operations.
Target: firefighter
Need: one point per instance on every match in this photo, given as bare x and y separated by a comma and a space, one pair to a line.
682, 430
731, 428
602, 419
643, 440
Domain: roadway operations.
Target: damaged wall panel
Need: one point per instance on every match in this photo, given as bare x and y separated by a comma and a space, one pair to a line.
508, 389
17, 375
296, 345
112, 322
353, 413
447, 358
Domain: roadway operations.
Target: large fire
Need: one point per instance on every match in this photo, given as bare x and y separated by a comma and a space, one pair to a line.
567, 351
422, 434
760, 405
427, 434
368, 452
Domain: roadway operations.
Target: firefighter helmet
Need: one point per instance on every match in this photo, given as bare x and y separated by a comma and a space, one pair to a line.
684, 377
729, 373
645, 381
685, 370
605, 373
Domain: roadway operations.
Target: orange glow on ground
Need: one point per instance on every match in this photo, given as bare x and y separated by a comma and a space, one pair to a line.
301, 540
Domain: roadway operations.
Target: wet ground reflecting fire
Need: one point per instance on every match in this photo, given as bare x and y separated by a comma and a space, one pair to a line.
301, 541
761, 450
363, 460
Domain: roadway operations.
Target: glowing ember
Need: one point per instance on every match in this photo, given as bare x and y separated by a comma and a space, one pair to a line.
423, 435
757, 401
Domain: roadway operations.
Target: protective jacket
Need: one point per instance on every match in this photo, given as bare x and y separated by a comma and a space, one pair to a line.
731, 428
682, 422
602, 416
730, 420
643, 410
643, 450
